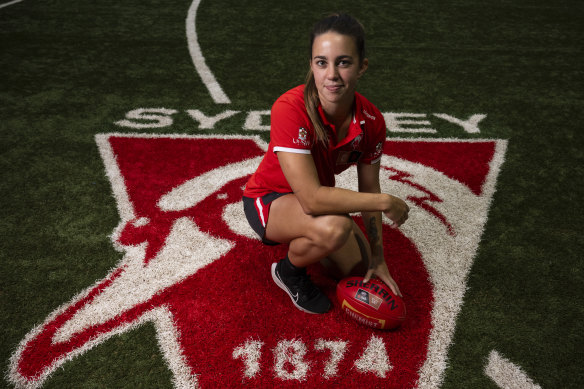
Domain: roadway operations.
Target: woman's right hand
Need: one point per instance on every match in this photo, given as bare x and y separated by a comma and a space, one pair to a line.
397, 211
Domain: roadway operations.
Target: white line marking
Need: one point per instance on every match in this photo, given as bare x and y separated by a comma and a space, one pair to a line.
10, 3
199, 61
506, 374
193, 191
448, 262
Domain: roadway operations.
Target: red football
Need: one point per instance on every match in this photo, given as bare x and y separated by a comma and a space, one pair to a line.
371, 303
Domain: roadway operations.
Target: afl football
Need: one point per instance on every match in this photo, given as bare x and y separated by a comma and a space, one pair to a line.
371, 303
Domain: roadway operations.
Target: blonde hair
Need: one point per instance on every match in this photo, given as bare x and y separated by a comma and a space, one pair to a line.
343, 24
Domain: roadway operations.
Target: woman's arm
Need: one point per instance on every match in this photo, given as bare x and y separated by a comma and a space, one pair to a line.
315, 199
369, 182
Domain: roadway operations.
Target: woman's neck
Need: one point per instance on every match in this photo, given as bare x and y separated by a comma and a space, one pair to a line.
338, 114
341, 119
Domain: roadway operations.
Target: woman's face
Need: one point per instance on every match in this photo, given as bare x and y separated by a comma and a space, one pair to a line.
336, 67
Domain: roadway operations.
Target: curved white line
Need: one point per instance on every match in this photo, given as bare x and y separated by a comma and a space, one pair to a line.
507, 374
10, 3
199, 61
193, 191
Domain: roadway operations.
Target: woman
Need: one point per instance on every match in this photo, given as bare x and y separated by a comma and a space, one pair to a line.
318, 130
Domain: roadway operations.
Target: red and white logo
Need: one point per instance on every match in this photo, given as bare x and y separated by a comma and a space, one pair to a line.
302, 139
192, 266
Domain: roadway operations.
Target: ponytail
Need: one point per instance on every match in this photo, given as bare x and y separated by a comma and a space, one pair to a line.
311, 102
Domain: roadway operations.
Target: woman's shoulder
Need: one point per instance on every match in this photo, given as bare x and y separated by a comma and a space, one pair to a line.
365, 103
294, 95
292, 100
367, 109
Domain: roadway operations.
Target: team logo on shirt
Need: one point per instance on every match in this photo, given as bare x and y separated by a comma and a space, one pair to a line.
302, 138
378, 150
357, 141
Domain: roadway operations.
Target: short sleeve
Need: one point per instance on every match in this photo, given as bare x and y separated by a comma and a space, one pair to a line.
290, 127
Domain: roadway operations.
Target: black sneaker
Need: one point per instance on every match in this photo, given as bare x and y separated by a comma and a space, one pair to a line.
304, 294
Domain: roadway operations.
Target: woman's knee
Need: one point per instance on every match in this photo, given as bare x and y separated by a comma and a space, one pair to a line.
333, 231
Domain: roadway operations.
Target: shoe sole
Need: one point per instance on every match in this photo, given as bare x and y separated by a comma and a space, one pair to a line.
283, 286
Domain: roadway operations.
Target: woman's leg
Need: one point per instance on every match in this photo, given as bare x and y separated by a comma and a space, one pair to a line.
335, 240
352, 258
310, 238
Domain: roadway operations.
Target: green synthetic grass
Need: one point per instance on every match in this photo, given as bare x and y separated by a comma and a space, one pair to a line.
70, 70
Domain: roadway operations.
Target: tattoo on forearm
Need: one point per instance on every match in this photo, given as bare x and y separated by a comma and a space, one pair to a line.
372, 230
374, 241
363, 249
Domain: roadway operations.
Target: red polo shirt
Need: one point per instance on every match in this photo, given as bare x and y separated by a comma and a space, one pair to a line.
292, 131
